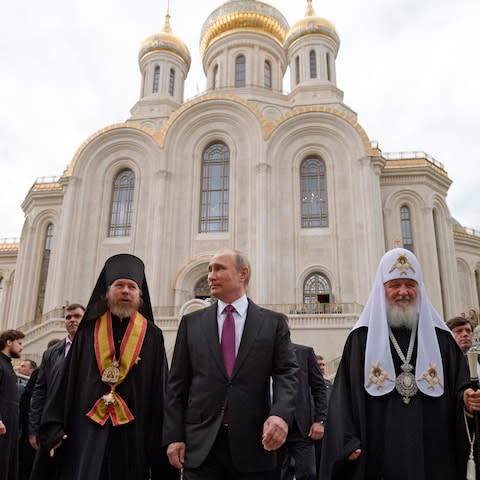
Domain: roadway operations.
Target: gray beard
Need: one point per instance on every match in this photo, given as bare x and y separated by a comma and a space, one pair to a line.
122, 312
398, 317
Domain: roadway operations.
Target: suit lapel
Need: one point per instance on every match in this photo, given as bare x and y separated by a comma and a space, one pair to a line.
253, 324
210, 327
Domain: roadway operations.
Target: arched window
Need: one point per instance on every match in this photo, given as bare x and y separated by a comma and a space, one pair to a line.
42, 284
122, 204
316, 289
313, 193
267, 74
171, 82
215, 77
240, 70
329, 74
214, 195
156, 79
406, 221
297, 70
202, 290
313, 64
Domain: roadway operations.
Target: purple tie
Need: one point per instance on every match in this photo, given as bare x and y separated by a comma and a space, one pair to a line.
228, 340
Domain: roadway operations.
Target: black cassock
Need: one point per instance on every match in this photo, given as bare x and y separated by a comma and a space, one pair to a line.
422, 440
9, 416
91, 451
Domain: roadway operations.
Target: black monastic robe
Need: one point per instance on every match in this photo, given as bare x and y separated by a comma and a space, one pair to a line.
91, 451
9, 417
422, 440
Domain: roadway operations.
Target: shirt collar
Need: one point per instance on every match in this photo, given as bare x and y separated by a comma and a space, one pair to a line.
240, 305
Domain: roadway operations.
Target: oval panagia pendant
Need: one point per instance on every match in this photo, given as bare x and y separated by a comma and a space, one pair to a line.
405, 384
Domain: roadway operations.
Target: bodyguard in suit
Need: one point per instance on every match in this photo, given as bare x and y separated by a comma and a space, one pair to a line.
308, 420
222, 421
48, 377
322, 365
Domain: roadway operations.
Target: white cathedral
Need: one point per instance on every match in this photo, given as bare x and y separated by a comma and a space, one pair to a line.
291, 179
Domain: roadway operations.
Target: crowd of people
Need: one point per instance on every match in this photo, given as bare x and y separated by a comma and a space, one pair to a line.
241, 401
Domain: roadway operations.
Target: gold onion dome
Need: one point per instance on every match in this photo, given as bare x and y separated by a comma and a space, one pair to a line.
237, 15
165, 41
311, 24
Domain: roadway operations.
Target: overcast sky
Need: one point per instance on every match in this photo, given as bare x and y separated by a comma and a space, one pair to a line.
409, 68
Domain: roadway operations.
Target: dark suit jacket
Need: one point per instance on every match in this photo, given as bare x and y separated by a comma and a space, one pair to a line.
311, 402
198, 388
48, 376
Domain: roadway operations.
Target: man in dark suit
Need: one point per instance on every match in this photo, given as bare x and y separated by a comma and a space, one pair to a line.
222, 421
308, 420
47, 380
322, 365
50, 368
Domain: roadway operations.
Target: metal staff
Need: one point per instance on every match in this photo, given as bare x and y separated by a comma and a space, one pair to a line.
472, 356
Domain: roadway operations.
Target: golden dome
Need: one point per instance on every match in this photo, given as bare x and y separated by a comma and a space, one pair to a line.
312, 25
165, 41
243, 15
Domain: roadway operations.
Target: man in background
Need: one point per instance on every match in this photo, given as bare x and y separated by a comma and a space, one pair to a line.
24, 371
322, 365
10, 348
26, 367
50, 368
48, 379
462, 330
308, 420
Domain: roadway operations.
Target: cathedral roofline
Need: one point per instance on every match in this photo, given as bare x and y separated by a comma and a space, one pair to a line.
268, 127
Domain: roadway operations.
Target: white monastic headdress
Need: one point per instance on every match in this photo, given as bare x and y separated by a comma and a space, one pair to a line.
401, 263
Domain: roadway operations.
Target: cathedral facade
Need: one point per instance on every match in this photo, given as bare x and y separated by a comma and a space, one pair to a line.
290, 178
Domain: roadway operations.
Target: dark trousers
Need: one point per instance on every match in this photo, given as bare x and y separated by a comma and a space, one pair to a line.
219, 466
318, 455
302, 450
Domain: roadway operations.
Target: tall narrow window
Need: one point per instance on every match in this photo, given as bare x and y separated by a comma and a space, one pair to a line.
406, 221
122, 204
215, 189
144, 82
313, 64
42, 284
215, 77
316, 289
156, 79
313, 191
171, 82
297, 70
240, 70
267, 74
329, 73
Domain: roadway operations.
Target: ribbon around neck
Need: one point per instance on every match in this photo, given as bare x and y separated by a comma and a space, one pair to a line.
111, 405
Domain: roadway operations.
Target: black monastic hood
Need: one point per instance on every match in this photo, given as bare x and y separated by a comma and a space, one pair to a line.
123, 265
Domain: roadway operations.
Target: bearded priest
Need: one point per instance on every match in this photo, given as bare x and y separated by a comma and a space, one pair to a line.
105, 420
397, 406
